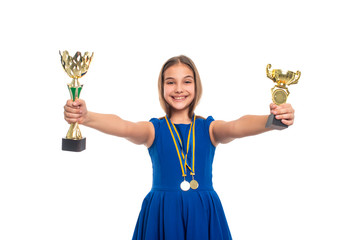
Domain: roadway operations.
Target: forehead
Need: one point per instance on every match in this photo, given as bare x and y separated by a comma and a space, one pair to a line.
179, 70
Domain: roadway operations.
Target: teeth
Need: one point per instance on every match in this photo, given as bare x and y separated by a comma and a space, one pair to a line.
179, 98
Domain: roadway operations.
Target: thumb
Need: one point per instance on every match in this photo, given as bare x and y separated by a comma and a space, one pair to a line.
273, 106
78, 102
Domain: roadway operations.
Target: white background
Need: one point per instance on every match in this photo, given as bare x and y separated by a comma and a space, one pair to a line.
301, 183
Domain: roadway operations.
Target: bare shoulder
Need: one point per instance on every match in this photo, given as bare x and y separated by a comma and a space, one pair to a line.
141, 133
213, 129
221, 132
216, 124
149, 129
146, 125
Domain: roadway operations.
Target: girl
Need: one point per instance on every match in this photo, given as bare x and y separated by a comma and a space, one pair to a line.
182, 203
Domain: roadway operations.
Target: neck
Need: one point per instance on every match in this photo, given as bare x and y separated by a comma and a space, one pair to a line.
181, 117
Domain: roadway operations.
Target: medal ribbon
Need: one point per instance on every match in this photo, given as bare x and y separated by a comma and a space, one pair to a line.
178, 145
181, 145
193, 149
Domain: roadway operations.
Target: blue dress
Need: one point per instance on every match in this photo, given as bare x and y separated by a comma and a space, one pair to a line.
167, 212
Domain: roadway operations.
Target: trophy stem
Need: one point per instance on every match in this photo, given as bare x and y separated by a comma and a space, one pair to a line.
74, 88
74, 132
75, 82
74, 140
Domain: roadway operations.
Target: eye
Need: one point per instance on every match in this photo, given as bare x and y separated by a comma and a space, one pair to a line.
169, 82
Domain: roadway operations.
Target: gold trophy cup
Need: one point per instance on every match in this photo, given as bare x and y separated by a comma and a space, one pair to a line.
280, 91
76, 67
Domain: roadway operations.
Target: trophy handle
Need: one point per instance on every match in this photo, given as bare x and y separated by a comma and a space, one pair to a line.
297, 77
269, 73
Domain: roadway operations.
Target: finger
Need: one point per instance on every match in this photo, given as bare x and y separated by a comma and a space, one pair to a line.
285, 116
78, 102
283, 110
273, 106
287, 122
286, 106
69, 102
72, 115
71, 120
81, 120
71, 109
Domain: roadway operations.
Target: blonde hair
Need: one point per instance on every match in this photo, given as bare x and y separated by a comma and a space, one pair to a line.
198, 87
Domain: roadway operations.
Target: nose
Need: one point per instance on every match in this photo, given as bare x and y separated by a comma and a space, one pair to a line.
178, 88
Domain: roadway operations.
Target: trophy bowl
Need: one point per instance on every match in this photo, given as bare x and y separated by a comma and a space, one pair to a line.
76, 66
281, 77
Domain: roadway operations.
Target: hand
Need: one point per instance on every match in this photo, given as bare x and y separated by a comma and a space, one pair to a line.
284, 112
75, 111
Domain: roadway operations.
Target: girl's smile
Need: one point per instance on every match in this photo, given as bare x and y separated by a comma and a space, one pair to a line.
179, 98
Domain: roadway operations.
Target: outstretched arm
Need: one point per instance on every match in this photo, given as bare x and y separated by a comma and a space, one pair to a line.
138, 133
249, 125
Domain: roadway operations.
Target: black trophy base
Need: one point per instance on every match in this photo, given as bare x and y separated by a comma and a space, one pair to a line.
274, 123
73, 145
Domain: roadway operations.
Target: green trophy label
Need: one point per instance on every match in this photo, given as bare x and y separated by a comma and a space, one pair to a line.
74, 92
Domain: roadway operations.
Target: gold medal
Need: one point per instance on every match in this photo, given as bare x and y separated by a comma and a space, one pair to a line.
194, 184
185, 186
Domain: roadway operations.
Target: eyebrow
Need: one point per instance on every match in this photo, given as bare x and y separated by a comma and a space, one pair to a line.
172, 78
189, 76
169, 78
